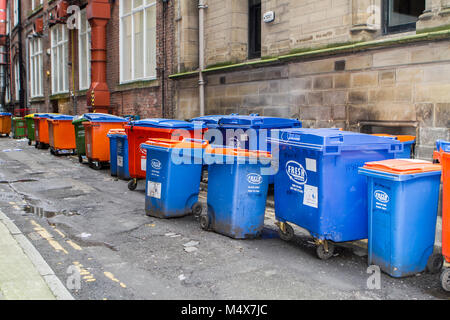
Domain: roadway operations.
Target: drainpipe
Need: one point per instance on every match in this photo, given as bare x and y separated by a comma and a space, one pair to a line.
98, 95
201, 54
3, 52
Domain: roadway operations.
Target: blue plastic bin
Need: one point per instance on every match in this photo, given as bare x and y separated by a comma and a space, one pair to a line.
318, 187
113, 136
237, 192
403, 203
172, 187
123, 171
442, 145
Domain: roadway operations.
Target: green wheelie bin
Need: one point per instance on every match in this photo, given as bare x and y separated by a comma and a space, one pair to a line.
80, 137
19, 127
30, 128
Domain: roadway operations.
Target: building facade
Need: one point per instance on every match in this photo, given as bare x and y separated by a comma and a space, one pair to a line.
50, 49
362, 65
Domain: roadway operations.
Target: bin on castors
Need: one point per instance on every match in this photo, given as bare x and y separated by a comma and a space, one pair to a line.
403, 197
61, 134
96, 129
5, 123
113, 158
237, 191
318, 186
29, 119
41, 130
80, 137
123, 171
173, 177
408, 144
140, 131
19, 127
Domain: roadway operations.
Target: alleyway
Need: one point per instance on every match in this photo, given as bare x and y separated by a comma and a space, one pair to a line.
74, 215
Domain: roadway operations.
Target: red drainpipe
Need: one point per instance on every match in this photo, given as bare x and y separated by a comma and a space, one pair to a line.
98, 96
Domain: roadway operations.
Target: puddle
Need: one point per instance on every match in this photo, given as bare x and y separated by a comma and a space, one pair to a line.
41, 213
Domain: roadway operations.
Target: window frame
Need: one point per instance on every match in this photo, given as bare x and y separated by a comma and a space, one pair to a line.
407, 27
36, 70
122, 17
55, 52
33, 4
16, 79
253, 52
87, 33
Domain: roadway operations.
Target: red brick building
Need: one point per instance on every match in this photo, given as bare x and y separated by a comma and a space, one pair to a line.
49, 54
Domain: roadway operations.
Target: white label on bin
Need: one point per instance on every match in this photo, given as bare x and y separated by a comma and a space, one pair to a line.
311, 165
143, 164
310, 196
120, 161
154, 190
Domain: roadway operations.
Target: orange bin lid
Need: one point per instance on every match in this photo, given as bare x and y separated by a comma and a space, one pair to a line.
401, 138
403, 166
237, 152
184, 144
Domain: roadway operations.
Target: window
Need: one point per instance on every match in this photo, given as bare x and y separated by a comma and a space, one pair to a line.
16, 12
401, 15
17, 79
35, 4
36, 71
254, 29
84, 52
137, 40
59, 50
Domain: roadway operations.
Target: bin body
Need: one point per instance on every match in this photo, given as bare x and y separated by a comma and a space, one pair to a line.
61, 133
402, 217
172, 188
445, 161
140, 131
5, 123
30, 127
237, 194
41, 129
79, 136
20, 127
96, 130
318, 187
113, 156
122, 157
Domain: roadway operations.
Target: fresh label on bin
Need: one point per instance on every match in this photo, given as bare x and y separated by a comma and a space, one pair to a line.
156, 164
119, 161
254, 178
154, 189
310, 196
296, 172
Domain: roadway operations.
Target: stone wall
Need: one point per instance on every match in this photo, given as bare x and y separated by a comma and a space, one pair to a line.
402, 89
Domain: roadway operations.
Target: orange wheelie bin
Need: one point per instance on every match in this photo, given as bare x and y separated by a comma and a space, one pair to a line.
140, 131
41, 130
444, 157
5, 123
96, 128
61, 134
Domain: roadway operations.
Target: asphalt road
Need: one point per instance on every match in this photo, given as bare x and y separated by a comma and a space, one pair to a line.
76, 216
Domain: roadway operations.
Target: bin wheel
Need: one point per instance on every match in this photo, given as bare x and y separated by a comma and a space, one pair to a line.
445, 280
29, 142
197, 209
80, 159
53, 152
288, 233
324, 254
204, 222
132, 185
96, 165
435, 263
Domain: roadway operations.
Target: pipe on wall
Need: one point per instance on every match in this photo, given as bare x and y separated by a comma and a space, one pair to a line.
201, 54
3, 51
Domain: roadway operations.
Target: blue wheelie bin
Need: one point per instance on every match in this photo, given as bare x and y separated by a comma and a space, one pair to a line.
173, 177
403, 203
237, 192
245, 132
318, 186
123, 171
113, 136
